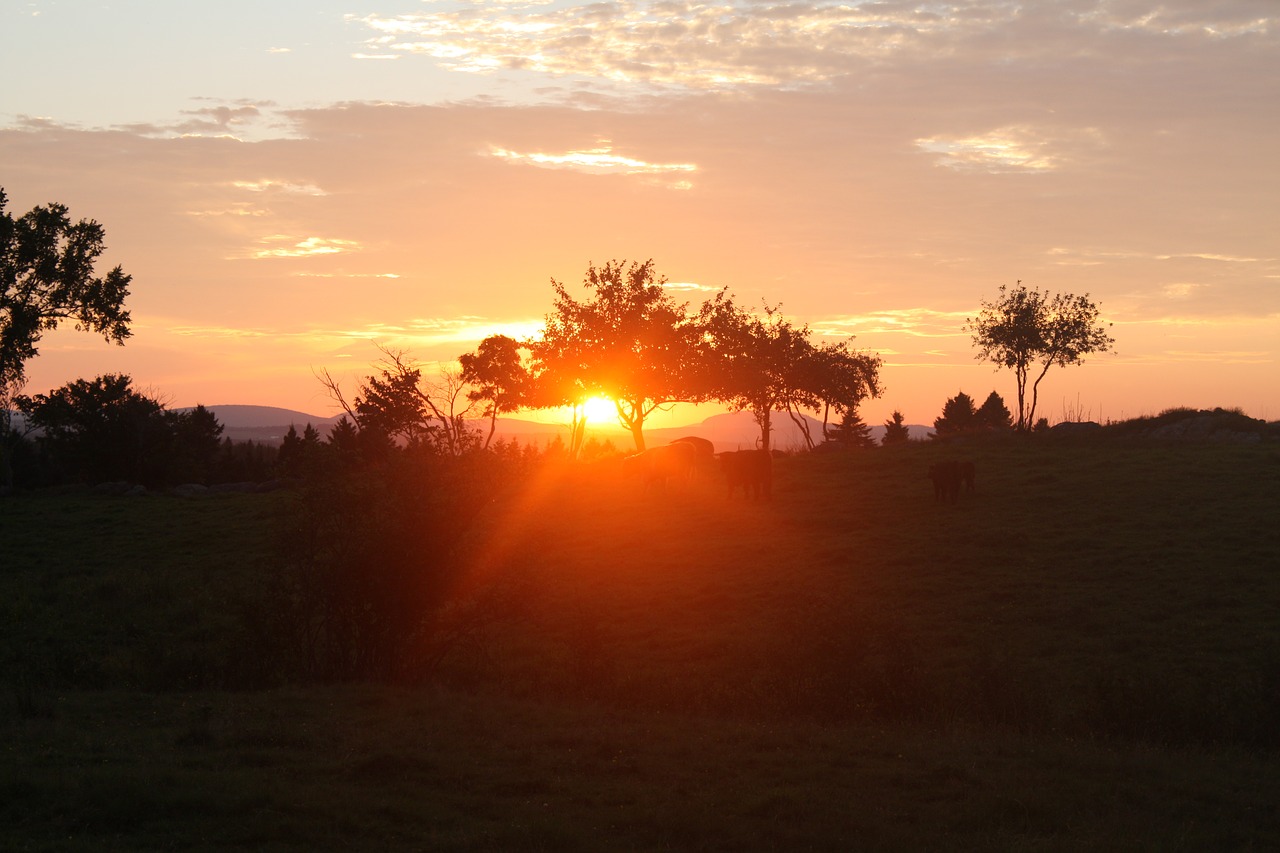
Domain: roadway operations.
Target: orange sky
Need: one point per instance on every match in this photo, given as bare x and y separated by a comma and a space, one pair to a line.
290, 187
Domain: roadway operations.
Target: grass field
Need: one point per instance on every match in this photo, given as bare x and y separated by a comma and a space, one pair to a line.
1084, 653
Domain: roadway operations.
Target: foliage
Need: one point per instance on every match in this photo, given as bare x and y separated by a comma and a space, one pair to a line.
398, 405
46, 278
299, 454
1029, 331
851, 431
895, 430
958, 416
103, 430
628, 341
498, 377
764, 364
993, 414
243, 461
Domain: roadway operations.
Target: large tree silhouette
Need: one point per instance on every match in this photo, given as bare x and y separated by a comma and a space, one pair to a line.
1029, 331
628, 340
766, 363
47, 278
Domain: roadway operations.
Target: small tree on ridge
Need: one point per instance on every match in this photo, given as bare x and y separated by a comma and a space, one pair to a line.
1029, 331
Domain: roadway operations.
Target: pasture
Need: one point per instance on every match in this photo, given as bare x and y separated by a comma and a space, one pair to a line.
1085, 652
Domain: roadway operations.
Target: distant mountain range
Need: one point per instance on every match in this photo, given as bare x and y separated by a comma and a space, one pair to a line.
728, 431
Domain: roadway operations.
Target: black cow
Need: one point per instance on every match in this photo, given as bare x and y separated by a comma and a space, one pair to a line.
946, 478
752, 470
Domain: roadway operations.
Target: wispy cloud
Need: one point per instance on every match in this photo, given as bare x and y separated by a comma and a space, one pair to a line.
1015, 148
594, 161
915, 322
263, 185
390, 275
283, 246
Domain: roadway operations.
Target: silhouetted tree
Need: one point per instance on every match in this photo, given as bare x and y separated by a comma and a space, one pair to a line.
1029, 331
497, 376
895, 430
196, 444
301, 455
289, 461
241, 461
851, 431
843, 379
994, 414
397, 403
103, 430
344, 437
764, 364
47, 277
958, 415
628, 341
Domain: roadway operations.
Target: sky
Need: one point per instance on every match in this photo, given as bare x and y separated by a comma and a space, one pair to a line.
294, 184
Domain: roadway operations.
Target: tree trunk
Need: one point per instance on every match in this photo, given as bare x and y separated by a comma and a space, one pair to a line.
764, 420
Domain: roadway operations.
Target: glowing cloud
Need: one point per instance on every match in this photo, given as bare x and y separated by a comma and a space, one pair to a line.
269, 185
305, 248
595, 161
916, 322
696, 46
736, 44
1015, 148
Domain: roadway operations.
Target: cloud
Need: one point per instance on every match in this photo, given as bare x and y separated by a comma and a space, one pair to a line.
595, 161
915, 322
390, 275
1016, 148
749, 44
270, 184
283, 246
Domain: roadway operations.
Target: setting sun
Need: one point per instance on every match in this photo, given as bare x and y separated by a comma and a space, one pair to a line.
599, 410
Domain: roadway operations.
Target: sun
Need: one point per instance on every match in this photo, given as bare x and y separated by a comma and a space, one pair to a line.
599, 409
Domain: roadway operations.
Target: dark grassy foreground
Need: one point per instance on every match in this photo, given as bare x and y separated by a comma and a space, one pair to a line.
1086, 653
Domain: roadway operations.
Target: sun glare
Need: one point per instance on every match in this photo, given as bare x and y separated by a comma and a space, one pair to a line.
599, 410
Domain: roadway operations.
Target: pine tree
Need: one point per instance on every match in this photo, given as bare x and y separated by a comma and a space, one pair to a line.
994, 414
895, 431
851, 431
958, 415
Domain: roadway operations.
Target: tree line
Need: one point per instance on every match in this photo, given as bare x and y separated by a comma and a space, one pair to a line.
626, 339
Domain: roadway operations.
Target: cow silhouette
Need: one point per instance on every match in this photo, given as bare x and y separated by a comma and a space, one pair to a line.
750, 470
704, 454
967, 476
659, 466
946, 477
703, 446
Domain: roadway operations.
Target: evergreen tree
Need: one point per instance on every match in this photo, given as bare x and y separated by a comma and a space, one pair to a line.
958, 415
851, 431
994, 414
197, 441
895, 430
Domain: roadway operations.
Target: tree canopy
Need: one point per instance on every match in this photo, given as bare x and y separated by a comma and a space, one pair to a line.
497, 376
46, 278
1029, 331
628, 340
104, 430
766, 363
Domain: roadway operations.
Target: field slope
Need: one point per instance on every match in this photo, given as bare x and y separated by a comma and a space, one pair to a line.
1083, 653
